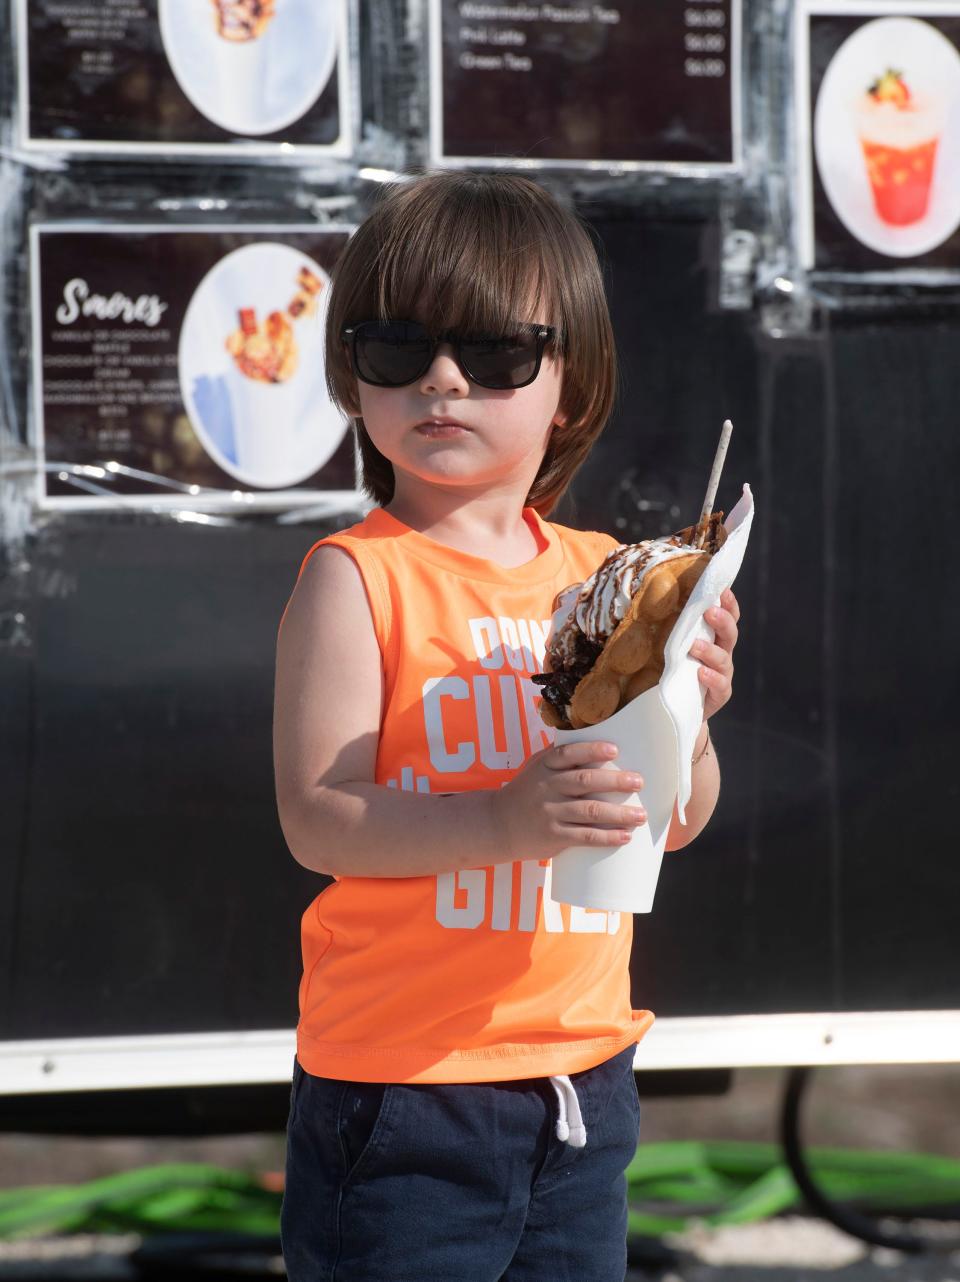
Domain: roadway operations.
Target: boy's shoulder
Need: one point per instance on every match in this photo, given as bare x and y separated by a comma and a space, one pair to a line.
360, 532
368, 529
586, 540
584, 551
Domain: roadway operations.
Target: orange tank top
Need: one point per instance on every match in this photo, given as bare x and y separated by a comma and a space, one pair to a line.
478, 975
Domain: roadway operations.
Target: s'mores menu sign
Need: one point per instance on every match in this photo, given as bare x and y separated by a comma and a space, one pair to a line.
184, 366
184, 76
878, 128
573, 83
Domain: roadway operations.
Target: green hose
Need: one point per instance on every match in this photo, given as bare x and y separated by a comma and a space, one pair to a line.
719, 1182
671, 1186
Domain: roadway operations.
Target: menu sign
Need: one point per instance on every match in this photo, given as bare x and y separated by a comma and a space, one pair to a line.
182, 364
878, 126
187, 76
576, 83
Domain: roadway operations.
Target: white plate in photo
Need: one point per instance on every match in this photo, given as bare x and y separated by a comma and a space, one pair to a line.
930, 66
256, 86
268, 435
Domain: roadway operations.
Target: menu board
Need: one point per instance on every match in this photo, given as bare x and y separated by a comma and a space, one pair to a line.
184, 76
878, 129
640, 85
181, 365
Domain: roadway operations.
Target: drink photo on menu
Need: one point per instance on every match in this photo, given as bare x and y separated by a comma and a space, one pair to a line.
884, 156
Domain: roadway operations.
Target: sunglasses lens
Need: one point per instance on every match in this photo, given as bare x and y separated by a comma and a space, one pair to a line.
504, 362
391, 355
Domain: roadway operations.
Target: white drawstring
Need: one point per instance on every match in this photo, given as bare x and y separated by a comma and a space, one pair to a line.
570, 1125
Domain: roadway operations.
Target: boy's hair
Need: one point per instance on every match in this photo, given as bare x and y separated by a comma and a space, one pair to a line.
475, 253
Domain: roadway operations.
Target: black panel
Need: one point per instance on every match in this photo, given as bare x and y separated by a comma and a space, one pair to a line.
897, 689
16, 748
157, 894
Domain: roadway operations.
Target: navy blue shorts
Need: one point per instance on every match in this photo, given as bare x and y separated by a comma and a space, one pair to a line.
458, 1183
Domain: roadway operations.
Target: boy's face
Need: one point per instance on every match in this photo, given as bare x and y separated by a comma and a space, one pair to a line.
445, 431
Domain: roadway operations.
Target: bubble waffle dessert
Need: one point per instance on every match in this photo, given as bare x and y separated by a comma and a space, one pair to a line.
608, 633
242, 20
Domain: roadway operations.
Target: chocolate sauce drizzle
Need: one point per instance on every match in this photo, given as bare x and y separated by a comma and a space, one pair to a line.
558, 687
567, 670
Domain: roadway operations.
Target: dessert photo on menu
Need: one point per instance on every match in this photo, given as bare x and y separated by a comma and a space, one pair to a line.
885, 139
185, 359
252, 366
184, 75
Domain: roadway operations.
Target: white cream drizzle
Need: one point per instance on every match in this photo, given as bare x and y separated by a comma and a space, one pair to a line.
596, 606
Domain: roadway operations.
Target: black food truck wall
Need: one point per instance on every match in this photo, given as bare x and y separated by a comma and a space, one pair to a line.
146, 885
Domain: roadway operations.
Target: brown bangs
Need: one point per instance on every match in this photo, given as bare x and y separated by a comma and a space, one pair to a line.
476, 266
477, 253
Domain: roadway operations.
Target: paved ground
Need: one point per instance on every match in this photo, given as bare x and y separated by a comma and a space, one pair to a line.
906, 1109
797, 1249
788, 1249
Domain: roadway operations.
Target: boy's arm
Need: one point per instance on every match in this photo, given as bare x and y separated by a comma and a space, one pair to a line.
703, 799
327, 710
327, 707
716, 675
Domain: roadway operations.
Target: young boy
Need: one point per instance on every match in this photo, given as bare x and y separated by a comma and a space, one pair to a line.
463, 1104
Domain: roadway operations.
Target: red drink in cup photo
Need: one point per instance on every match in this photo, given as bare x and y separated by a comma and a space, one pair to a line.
899, 136
886, 136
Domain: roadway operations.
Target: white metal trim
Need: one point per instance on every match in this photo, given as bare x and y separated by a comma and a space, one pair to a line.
803, 138
870, 8
35, 423
736, 84
124, 1063
120, 228
23, 95
231, 503
848, 1037
712, 1041
435, 85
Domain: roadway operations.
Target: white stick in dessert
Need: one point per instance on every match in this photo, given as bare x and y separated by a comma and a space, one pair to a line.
713, 483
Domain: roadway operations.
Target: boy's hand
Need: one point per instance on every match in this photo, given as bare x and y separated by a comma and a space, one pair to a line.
716, 674
544, 808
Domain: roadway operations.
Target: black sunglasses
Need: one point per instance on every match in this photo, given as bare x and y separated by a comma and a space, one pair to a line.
396, 353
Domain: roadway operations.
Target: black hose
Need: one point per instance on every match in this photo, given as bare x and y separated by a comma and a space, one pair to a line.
844, 1217
210, 1254
649, 1253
